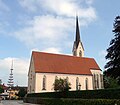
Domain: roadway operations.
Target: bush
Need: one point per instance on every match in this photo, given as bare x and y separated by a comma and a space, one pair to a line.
61, 101
88, 94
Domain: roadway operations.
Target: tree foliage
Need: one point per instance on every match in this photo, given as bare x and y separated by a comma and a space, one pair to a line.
22, 92
110, 82
61, 85
113, 53
1, 90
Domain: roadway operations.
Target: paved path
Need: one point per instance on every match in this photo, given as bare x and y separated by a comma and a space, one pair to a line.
14, 102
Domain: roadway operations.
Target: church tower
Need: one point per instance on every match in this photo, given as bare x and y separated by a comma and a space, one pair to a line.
78, 49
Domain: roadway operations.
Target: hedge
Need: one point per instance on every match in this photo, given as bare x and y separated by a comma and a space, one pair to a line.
65, 101
87, 94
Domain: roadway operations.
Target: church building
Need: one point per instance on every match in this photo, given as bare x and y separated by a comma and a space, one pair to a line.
83, 73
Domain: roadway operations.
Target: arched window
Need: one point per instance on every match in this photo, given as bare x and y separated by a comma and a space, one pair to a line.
80, 53
30, 88
97, 81
94, 87
67, 79
77, 83
56, 77
101, 80
86, 83
44, 83
74, 53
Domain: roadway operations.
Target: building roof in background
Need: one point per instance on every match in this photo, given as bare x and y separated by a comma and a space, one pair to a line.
3, 86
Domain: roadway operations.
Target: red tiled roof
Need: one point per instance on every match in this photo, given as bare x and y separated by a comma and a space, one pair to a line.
3, 86
56, 63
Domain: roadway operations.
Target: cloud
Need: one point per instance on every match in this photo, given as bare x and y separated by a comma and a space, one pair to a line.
67, 8
3, 7
49, 50
89, 2
52, 50
29, 4
46, 30
53, 23
20, 70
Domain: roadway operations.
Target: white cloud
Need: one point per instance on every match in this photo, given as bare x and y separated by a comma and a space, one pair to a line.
20, 70
45, 31
52, 50
89, 1
29, 4
67, 8
49, 50
3, 6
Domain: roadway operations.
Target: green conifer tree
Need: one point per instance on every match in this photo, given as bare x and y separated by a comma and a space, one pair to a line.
112, 67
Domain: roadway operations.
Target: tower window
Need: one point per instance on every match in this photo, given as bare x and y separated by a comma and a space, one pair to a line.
74, 53
80, 53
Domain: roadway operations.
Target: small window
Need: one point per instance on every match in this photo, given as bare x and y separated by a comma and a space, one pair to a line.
86, 83
44, 83
74, 53
67, 79
101, 79
97, 81
80, 53
56, 77
77, 83
93, 80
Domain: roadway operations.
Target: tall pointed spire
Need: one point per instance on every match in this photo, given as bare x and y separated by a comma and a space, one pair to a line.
77, 39
78, 49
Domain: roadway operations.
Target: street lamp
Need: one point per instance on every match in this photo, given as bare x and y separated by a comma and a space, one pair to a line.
79, 86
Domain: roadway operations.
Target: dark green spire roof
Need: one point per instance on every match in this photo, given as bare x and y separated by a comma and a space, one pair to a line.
77, 39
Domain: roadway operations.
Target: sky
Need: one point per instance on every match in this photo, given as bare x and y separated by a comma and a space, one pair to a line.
49, 26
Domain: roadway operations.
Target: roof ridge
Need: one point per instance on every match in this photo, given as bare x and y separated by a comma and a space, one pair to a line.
61, 55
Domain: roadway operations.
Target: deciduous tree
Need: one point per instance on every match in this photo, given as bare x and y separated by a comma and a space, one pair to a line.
61, 84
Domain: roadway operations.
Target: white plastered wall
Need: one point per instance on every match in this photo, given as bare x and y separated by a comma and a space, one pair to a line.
31, 78
99, 72
50, 78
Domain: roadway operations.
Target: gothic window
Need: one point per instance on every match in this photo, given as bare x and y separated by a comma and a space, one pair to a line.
80, 53
56, 77
86, 83
101, 80
74, 53
94, 87
30, 89
97, 81
44, 83
67, 79
77, 83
